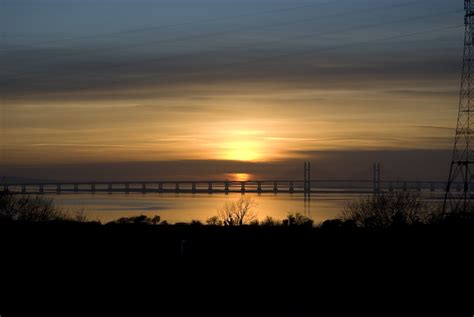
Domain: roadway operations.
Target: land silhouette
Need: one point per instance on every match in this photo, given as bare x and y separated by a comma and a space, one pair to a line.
385, 254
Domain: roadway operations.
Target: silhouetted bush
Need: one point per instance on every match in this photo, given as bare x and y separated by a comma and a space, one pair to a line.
196, 223
254, 223
337, 225
28, 208
80, 216
270, 222
333, 223
390, 209
297, 220
214, 221
457, 219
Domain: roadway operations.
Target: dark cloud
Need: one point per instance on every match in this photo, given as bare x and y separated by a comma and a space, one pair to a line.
291, 44
114, 77
350, 165
425, 93
435, 128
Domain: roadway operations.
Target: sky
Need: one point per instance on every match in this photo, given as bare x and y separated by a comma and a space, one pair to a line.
114, 89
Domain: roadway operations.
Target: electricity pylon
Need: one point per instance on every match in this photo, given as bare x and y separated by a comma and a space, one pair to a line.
458, 197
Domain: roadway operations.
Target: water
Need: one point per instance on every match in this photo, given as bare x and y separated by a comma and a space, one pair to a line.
186, 207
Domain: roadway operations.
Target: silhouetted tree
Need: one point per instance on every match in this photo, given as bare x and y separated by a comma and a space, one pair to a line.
240, 212
390, 209
28, 208
155, 220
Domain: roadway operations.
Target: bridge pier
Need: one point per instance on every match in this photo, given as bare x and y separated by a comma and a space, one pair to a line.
275, 187
176, 188
160, 187
209, 188
259, 187
144, 188
127, 188
193, 188
292, 188
242, 187
226, 187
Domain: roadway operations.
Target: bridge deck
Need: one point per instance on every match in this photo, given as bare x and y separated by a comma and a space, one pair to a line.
210, 186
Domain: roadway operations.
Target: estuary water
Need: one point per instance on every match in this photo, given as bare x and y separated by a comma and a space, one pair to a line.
187, 207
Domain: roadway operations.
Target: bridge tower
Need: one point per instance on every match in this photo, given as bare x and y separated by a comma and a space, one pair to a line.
307, 180
377, 179
463, 157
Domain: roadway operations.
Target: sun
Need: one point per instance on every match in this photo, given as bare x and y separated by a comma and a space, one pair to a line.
242, 151
240, 177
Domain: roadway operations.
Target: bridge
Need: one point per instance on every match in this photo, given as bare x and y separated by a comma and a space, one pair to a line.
226, 187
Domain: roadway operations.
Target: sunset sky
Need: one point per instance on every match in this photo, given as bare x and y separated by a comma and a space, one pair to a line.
108, 88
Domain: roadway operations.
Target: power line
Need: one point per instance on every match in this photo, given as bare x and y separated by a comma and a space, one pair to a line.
399, 36
219, 33
159, 27
299, 37
309, 54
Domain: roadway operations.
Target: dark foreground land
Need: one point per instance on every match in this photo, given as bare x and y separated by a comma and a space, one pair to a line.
92, 269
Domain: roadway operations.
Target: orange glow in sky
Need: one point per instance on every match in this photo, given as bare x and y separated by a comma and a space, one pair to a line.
242, 151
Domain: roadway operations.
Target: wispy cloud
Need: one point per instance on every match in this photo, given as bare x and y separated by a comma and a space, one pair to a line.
82, 145
437, 128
